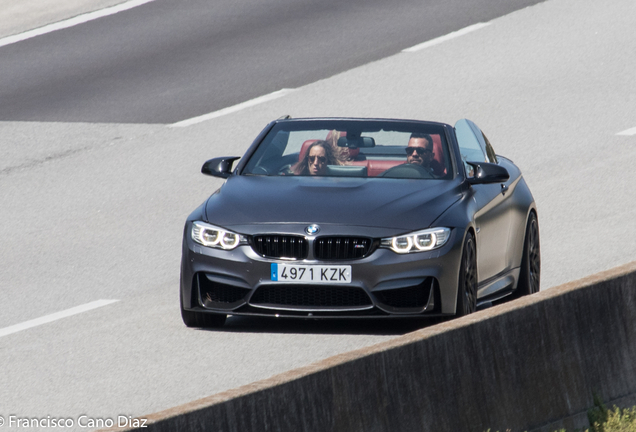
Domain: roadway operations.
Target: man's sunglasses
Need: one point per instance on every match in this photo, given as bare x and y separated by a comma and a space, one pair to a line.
420, 150
321, 159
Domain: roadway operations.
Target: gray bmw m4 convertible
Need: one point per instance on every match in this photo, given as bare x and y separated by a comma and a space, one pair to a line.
360, 218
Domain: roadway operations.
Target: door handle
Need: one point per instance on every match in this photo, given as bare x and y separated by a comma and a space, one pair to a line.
504, 188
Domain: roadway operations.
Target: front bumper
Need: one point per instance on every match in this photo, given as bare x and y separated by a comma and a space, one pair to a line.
383, 284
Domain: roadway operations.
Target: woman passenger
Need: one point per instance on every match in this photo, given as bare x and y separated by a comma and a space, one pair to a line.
318, 156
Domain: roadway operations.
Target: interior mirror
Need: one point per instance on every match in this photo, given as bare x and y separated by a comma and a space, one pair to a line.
488, 173
356, 142
219, 167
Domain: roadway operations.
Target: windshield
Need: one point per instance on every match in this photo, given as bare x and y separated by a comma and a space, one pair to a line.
348, 148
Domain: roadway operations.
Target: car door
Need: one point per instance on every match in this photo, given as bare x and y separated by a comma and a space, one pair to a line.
494, 206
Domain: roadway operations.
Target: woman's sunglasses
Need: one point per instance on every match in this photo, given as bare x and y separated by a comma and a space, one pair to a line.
321, 159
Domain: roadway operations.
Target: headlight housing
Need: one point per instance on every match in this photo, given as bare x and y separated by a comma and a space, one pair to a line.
418, 241
215, 237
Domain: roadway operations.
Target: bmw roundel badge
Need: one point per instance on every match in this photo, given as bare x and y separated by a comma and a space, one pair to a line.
312, 229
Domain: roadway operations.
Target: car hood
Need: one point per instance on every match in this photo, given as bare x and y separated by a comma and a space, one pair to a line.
400, 204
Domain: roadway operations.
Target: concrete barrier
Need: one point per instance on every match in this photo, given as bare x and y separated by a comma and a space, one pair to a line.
531, 364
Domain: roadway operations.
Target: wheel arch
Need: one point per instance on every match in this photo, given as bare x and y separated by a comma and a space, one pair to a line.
523, 285
449, 301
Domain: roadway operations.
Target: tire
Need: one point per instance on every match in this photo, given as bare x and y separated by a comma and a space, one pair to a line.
201, 319
530, 273
467, 286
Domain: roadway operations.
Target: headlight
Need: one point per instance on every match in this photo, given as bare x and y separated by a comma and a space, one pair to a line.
418, 241
211, 236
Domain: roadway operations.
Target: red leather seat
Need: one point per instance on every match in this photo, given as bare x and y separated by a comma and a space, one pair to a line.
305, 148
437, 164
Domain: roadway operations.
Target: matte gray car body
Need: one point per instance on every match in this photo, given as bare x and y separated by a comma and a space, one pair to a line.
484, 201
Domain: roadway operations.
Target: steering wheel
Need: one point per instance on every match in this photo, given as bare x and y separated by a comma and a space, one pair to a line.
408, 171
284, 170
260, 170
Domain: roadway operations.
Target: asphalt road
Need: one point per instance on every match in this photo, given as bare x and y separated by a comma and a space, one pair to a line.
95, 211
18, 16
166, 61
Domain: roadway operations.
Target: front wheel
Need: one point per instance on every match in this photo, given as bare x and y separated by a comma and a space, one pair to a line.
201, 319
467, 287
530, 273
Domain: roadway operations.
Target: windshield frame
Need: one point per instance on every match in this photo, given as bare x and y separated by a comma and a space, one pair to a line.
266, 137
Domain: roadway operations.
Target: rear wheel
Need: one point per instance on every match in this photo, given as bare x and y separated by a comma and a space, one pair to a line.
530, 274
467, 289
201, 319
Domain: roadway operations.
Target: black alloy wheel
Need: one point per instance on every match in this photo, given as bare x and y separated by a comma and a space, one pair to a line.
530, 274
467, 290
201, 319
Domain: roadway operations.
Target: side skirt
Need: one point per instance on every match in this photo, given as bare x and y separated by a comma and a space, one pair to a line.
497, 287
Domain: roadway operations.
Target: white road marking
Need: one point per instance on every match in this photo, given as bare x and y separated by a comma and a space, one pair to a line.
444, 38
54, 317
232, 109
80, 19
628, 132
283, 92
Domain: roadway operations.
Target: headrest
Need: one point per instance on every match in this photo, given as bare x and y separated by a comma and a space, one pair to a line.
305, 148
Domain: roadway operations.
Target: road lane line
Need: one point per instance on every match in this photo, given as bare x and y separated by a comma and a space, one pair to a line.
283, 92
444, 38
628, 132
54, 317
80, 19
232, 109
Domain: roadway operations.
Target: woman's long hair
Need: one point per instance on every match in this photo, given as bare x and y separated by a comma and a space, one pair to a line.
302, 167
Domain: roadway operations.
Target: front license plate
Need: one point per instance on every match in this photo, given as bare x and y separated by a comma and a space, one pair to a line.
311, 273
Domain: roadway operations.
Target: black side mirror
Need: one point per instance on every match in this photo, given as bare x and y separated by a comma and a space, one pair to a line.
488, 173
219, 167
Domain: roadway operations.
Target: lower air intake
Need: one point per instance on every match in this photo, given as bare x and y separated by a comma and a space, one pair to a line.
310, 296
410, 297
214, 294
